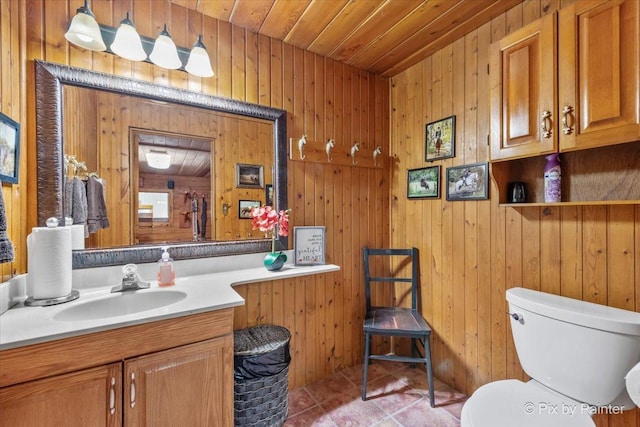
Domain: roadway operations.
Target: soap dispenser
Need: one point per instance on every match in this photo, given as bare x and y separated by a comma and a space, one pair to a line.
166, 273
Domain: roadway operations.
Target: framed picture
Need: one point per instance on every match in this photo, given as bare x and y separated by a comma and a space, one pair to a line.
468, 182
9, 149
309, 245
249, 176
423, 183
245, 206
440, 139
268, 193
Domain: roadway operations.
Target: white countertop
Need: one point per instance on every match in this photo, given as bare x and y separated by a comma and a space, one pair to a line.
206, 289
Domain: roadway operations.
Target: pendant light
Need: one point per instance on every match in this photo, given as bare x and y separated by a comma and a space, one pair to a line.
84, 30
165, 53
199, 63
127, 43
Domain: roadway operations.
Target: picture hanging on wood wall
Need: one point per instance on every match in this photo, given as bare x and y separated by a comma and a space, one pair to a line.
9, 149
268, 192
245, 206
468, 182
440, 139
249, 176
423, 183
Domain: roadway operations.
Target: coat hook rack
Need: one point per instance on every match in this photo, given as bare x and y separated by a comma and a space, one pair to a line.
301, 143
330, 144
354, 149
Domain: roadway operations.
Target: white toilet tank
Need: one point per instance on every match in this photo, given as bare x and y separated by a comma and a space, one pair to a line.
580, 349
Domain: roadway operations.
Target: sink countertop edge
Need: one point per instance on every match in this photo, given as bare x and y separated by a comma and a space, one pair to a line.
206, 292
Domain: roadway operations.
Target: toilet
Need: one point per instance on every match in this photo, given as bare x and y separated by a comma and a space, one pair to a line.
578, 355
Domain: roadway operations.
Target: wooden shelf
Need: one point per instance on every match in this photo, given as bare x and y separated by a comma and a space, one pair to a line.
599, 176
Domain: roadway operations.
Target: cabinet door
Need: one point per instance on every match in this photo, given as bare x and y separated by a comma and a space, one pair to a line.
81, 399
186, 386
599, 78
523, 82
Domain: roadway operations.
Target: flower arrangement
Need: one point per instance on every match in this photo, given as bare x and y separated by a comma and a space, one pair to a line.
271, 222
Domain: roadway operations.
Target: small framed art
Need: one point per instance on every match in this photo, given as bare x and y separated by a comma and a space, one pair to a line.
440, 139
249, 176
468, 182
423, 183
245, 206
268, 193
309, 245
9, 149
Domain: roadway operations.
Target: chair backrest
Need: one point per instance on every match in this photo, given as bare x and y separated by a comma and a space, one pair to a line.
410, 256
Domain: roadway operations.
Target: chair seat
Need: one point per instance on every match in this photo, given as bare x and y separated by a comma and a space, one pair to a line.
396, 321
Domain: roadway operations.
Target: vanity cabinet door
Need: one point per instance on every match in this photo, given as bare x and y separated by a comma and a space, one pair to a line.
522, 91
599, 93
184, 386
88, 398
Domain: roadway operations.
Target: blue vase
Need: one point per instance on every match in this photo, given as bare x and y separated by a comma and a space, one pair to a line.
274, 261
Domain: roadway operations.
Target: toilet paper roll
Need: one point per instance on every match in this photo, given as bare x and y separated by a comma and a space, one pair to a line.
77, 236
49, 262
632, 382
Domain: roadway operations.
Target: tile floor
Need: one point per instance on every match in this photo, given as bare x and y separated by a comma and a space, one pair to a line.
397, 395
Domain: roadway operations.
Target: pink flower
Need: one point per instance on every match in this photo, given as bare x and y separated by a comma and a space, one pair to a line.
265, 219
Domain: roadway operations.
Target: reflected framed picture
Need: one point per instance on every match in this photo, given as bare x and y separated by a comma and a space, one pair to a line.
423, 183
245, 206
9, 149
468, 182
249, 176
268, 193
440, 139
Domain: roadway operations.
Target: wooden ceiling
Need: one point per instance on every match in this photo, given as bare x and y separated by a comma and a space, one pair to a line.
384, 37
189, 156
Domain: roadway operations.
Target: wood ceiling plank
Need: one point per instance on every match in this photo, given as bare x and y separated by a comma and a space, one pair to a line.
282, 17
315, 18
342, 26
218, 9
455, 33
250, 14
382, 20
415, 22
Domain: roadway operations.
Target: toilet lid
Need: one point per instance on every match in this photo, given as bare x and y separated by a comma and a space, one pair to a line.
511, 403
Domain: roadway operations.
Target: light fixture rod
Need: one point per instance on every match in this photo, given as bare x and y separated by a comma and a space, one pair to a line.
109, 34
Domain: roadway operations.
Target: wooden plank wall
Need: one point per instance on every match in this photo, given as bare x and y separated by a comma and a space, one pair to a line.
323, 99
472, 252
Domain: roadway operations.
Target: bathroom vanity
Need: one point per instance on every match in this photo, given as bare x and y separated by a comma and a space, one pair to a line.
165, 366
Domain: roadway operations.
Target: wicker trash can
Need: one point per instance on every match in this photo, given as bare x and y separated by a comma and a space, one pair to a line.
261, 375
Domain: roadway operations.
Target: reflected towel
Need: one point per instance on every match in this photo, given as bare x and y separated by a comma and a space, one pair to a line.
6, 247
96, 208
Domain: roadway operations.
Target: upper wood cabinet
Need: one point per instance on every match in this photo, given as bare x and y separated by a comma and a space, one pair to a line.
584, 94
599, 78
522, 91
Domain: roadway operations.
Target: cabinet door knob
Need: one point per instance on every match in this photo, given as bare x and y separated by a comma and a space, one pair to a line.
112, 396
546, 118
566, 111
132, 397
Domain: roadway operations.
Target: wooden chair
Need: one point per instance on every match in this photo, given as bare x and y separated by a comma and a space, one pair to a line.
396, 321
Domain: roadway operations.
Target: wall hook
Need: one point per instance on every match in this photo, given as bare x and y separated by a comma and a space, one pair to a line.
330, 144
376, 153
354, 150
301, 142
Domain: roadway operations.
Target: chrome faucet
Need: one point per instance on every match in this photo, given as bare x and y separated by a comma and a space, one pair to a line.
130, 280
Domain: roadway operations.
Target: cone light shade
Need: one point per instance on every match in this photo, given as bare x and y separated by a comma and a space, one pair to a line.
127, 43
84, 31
164, 52
199, 63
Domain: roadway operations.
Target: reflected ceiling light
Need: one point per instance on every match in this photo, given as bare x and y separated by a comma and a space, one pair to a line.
158, 159
165, 53
84, 30
199, 63
127, 43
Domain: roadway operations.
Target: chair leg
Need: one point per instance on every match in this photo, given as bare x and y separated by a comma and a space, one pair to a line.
365, 364
427, 355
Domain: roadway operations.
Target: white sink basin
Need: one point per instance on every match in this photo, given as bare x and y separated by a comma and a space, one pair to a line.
119, 304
